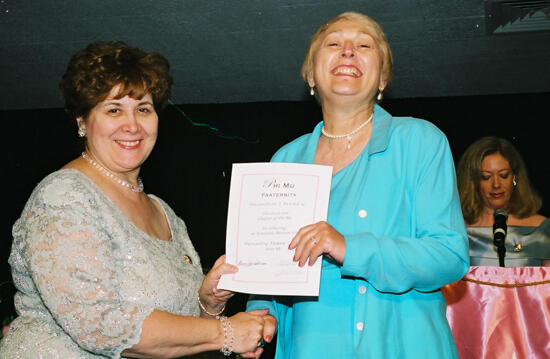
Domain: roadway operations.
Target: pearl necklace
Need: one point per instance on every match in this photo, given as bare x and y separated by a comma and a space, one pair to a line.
347, 135
106, 172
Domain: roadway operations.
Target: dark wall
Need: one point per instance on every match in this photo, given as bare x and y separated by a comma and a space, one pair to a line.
191, 164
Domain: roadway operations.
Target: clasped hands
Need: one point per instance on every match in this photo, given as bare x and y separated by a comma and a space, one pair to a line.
250, 329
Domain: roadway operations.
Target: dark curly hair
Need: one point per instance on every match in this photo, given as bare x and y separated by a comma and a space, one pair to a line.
93, 72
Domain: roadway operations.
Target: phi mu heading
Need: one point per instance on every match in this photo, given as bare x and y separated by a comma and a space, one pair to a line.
273, 184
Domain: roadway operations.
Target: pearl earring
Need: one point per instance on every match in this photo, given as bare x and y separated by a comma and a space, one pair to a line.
380, 96
311, 91
82, 132
514, 182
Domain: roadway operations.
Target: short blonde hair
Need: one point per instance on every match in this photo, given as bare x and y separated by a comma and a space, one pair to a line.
376, 32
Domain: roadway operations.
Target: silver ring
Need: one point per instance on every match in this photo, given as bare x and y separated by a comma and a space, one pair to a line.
261, 343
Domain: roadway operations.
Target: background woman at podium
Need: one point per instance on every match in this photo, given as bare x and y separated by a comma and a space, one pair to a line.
492, 175
501, 309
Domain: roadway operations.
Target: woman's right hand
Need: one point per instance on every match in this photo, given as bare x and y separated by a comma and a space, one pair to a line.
248, 330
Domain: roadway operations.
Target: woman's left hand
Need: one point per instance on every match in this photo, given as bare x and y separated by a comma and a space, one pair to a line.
211, 297
317, 239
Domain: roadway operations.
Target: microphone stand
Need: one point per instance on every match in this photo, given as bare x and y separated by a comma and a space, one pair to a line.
501, 250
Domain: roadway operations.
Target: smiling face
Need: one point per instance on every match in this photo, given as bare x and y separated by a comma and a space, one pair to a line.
121, 133
496, 182
347, 63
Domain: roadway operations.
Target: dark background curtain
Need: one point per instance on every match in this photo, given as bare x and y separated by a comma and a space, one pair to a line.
190, 167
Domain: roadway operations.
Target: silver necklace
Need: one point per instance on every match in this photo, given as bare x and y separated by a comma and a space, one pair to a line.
347, 135
120, 181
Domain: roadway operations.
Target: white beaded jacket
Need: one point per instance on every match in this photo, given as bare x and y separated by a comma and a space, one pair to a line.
87, 277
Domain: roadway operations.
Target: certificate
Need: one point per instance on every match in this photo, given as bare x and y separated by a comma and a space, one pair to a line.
268, 204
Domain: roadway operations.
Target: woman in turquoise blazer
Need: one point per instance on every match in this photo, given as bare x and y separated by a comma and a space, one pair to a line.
394, 233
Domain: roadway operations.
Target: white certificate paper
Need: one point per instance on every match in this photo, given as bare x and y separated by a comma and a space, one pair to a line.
268, 204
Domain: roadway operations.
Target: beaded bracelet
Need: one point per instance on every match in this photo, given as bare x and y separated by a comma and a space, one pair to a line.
206, 311
228, 338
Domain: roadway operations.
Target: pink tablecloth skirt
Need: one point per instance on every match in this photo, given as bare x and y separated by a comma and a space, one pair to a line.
500, 313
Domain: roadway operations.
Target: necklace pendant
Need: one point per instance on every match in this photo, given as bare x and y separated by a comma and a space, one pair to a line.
349, 135
518, 247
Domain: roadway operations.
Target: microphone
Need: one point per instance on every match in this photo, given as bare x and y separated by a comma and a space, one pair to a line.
499, 233
499, 226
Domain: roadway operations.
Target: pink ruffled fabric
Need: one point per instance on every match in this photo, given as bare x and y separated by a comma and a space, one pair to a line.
500, 313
